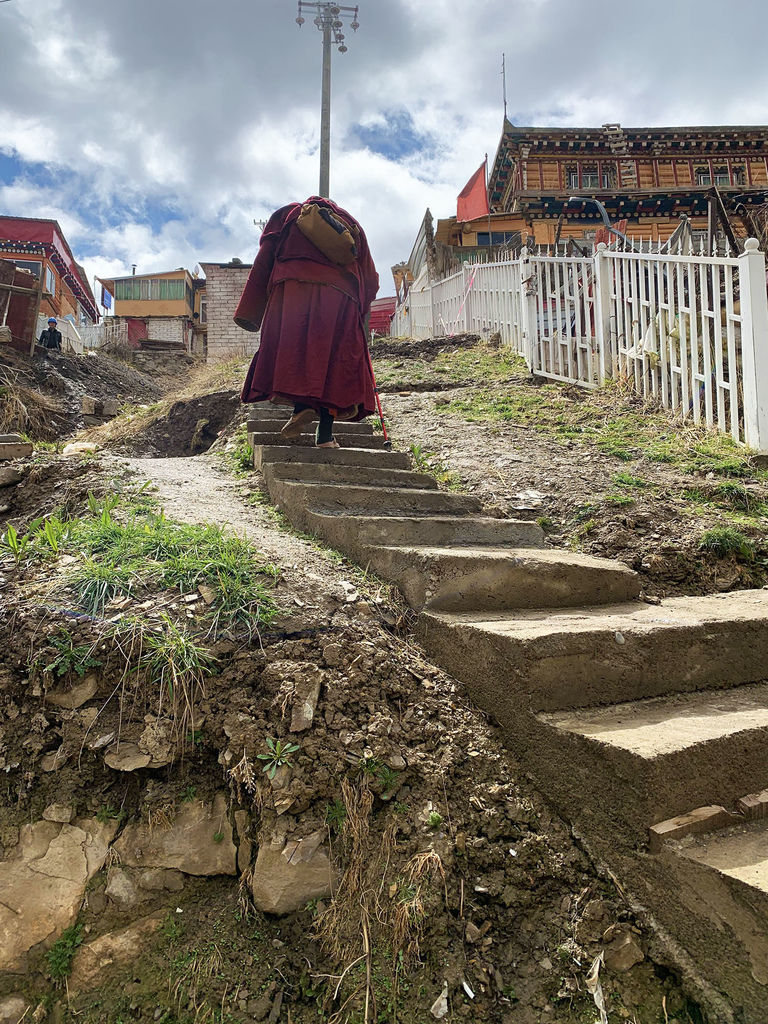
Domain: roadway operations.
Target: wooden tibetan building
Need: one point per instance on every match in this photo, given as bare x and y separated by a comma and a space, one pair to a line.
647, 177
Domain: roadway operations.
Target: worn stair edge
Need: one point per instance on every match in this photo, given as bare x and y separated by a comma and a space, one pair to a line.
356, 475
268, 424
295, 499
555, 660
489, 579
699, 821
371, 441
656, 758
264, 455
463, 531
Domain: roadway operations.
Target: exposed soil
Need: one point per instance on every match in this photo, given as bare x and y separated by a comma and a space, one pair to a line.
455, 873
650, 514
42, 396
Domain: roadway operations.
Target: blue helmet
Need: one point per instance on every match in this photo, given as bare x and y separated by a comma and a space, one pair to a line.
52, 320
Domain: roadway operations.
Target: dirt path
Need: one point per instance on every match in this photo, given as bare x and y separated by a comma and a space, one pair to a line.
198, 490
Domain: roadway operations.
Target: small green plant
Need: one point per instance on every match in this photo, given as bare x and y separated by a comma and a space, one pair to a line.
13, 543
336, 815
545, 522
435, 820
627, 480
173, 928
70, 657
50, 533
61, 954
726, 542
218, 837
188, 794
107, 813
97, 583
279, 753
387, 777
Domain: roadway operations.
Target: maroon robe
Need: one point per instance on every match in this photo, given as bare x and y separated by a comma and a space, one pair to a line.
312, 317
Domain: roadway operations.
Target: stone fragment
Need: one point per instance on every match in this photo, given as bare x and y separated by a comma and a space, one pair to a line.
126, 757
54, 760
89, 405
61, 813
439, 1008
18, 450
11, 439
701, 819
754, 806
13, 1009
79, 448
111, 407
120, 947
472, 933
305, 697
287, 875
623, 953
199, 842
121, 889
75, 696
161, 879
9, 476
43, 882
156, 741
244, 844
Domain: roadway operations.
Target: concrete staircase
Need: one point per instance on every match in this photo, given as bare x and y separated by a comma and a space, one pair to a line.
630, 716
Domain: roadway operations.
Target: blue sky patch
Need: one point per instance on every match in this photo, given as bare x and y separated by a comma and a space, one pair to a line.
395, 139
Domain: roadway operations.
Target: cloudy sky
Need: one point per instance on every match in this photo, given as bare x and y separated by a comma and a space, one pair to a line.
157, 131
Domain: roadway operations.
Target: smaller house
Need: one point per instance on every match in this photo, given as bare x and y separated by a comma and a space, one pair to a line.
159, 309
224, 283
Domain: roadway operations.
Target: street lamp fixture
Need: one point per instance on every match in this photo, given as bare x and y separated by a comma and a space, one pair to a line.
329, 20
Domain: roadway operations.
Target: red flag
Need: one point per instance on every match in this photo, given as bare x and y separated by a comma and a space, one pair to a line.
472, 201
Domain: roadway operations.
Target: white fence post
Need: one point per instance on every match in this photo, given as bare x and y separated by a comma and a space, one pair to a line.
528, 320
602, 313
754, 344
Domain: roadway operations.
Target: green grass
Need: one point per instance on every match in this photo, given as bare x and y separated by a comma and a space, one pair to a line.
593, 419
459, 367
61, 954
727, 542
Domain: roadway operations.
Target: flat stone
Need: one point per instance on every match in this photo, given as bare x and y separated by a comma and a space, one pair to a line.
11, 439
305, 697
13, 1009
120, 947
287, 875
189, 845
76, 695
754, 806
89, 405
161, 879
18, 450
54, 760
61, 813
43, 882
701, 819
9, 476
127, 757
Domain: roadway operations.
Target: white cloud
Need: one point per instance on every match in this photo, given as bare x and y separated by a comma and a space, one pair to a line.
167, 127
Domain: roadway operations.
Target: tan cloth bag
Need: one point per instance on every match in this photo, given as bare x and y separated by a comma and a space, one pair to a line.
328, 233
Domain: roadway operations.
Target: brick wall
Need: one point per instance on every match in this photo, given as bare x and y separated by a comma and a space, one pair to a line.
166, 328
223, 288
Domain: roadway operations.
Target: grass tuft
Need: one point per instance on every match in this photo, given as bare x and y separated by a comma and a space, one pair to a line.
727, 542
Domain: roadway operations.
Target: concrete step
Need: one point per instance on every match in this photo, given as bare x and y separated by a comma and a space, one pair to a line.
485, 578
296, 499
375, 441
368, 476
665, 754
266, 455
739, 852
557, 659
274, 424
465, 531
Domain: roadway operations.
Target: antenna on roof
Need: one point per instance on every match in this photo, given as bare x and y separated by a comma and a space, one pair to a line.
504, 82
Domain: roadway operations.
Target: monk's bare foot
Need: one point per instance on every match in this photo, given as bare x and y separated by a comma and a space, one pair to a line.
328, 444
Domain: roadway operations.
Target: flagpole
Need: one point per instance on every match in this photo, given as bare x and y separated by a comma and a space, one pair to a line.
490, 239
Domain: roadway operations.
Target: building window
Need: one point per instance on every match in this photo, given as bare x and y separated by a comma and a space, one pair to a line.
590, 178
30, 265
50, 281
150, 289
703, 176
203, 311
499, 238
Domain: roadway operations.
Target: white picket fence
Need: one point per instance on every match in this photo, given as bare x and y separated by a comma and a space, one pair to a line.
689, 331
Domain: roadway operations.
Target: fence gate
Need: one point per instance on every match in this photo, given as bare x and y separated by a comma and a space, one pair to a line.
563, 342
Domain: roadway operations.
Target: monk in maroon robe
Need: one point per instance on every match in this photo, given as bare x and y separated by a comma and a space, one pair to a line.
312, 314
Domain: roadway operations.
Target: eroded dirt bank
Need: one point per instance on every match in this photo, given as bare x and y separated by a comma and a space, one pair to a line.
441, 870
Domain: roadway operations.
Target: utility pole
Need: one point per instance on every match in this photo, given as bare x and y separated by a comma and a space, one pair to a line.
328, 19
